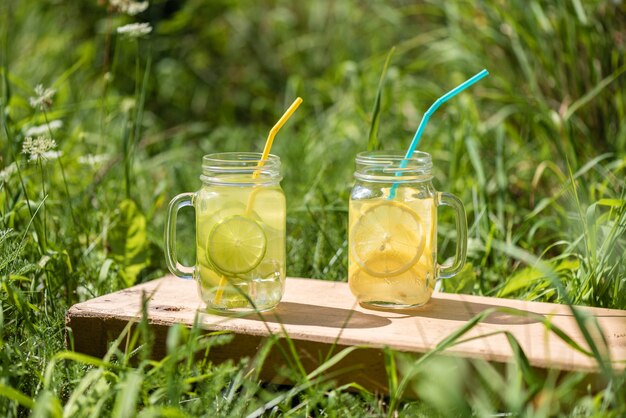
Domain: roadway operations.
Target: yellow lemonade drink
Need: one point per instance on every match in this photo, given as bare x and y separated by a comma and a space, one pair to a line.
240, 244
392, 257
392, 231
240, 232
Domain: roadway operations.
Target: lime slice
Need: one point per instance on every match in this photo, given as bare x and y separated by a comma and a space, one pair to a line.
236, 244
387, 239
207, 221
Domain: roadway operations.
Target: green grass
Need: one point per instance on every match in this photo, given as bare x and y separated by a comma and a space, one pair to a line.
536, 151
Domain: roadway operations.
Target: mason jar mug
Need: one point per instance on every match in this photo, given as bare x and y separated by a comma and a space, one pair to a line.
240, 233
392, 259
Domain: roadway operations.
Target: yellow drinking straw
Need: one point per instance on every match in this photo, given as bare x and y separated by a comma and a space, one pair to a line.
266, 152
268, 146
274, 131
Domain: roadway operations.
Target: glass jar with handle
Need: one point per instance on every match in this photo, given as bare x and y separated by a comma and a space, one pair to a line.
240, 233
392, 261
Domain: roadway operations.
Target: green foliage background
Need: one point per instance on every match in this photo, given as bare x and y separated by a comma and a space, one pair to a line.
536, 151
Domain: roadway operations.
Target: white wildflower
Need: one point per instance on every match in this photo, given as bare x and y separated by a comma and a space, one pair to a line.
135, 30
37, 130
43, 98
7, 173
93, 160
39, 147
49, 155
128, 6
127, 104
136, 7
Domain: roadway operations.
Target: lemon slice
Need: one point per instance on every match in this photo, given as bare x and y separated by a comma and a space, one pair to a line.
387, 239
236, 245
410, 288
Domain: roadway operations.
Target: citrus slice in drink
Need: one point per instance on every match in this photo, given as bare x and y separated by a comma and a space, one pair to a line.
387, 239
236, 244
410, 288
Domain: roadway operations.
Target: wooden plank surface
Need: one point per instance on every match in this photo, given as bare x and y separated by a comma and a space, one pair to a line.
317, 314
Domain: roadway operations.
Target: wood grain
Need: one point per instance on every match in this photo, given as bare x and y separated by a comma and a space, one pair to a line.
320, 315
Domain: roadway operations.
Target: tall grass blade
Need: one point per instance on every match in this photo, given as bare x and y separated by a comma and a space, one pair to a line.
584, 322
312, 379
373, 142
128, 395
391, 369
16, 395
591, 94
47, 406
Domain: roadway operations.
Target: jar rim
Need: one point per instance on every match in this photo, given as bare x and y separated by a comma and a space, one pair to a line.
385, 166
418, 158
240, 168
238, 159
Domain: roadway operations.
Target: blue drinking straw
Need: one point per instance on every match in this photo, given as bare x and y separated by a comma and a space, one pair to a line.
424, 121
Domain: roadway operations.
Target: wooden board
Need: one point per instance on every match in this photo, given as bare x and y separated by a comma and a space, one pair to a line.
317, 314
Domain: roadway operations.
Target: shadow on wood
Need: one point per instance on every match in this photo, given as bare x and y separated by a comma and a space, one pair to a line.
322, 317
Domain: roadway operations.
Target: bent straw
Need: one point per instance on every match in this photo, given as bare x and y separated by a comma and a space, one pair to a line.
266, 152
274, 131
268, 146
426, 117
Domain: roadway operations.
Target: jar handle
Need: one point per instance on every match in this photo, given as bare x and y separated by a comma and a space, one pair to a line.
177, 269
448, 199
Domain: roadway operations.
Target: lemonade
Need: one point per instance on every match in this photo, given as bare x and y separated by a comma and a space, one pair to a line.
240, 245
392, 237
240, 232
392, 247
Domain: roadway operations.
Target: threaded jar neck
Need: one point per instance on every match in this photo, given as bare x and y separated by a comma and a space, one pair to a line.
385, 167
241, 169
